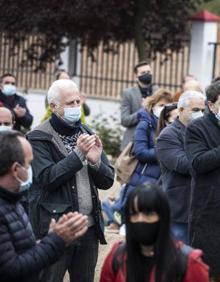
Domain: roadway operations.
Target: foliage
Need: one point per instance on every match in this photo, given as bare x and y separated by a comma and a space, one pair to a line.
110, 132
212, 6
153, 24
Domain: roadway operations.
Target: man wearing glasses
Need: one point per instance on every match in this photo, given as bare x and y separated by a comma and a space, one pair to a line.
69, 165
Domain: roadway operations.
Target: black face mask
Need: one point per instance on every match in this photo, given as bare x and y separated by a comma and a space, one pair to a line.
145, 233
146, 91
145, 78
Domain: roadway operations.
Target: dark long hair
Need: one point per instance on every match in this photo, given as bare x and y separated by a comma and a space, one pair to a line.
150, 197
164, 115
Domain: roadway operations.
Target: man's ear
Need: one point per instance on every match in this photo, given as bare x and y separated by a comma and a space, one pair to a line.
14, 167
53, 106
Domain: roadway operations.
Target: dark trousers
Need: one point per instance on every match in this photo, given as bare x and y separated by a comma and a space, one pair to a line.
79, 259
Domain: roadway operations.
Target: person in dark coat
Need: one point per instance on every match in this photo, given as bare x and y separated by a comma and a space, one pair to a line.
132, 99
15, 102
22, 258
175, 167
203, 152
69, 165
147, 169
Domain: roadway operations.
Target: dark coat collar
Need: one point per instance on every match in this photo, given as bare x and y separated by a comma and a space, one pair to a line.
9, 196
61, 127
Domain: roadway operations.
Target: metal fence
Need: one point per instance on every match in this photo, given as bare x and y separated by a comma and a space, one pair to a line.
105, 75
216, 59
12, 61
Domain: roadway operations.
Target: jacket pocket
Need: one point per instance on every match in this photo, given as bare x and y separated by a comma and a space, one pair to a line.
47, 211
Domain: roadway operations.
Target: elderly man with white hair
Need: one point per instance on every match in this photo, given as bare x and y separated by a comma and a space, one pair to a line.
68, 167
175, 167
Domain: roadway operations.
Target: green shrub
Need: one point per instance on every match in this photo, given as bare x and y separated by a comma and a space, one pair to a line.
109, 130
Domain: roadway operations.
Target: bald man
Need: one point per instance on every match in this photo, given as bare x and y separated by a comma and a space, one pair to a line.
6, 119
192, 85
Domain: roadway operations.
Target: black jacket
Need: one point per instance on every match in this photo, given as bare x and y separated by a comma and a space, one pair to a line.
203, 151
21, 258
54, 191
175, 169
10, 103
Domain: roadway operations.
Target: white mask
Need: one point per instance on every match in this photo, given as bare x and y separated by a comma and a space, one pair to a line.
157, 110
25, 185
196, 115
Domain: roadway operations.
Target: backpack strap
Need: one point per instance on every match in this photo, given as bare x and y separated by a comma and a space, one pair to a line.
185, 252
115, 259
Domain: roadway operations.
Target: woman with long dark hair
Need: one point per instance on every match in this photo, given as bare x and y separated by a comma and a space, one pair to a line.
167, 116
150, 253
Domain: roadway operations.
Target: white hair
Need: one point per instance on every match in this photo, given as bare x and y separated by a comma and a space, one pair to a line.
53, 94
187, 96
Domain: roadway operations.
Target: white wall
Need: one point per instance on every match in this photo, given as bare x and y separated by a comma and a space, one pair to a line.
201, 53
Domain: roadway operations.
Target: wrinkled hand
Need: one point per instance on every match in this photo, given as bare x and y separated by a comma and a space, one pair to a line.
70, 226
94, 154
85, 142
19, 111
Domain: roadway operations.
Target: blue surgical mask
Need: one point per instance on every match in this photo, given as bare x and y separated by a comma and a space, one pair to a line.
25, 185
5, 128
72, 115
9, 90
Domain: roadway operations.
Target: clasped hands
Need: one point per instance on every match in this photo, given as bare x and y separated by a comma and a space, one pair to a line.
91, 147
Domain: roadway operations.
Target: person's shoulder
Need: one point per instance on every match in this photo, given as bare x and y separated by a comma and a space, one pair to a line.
196, 268
131, 91
44, 130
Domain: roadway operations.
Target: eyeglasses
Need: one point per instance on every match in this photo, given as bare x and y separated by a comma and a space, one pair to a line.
5, 123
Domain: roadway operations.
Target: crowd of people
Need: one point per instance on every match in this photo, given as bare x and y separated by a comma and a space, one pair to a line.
51, 218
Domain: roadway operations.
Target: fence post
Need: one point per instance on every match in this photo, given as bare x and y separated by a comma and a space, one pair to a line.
204, 30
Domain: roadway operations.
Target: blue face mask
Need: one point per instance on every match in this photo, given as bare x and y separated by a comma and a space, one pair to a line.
218, 115
9, 90
25, 185
5, 128
72, 115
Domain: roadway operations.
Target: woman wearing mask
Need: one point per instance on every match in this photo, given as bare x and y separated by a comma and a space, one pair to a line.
150, 254
148, 168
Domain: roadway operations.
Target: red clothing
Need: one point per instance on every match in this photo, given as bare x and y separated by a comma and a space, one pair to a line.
197, 271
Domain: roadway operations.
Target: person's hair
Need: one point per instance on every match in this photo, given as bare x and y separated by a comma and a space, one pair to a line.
10, 150
213, 91
188, 75
164, 116
140, 64
187, 96
216, 79
53, 94
5, 75
192, 85
59, 72
160, 94
150, 197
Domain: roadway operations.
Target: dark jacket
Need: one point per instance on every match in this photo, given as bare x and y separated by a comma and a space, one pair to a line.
21, 257
203, 151
10, 103
147, 168
54, 180
175, 169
